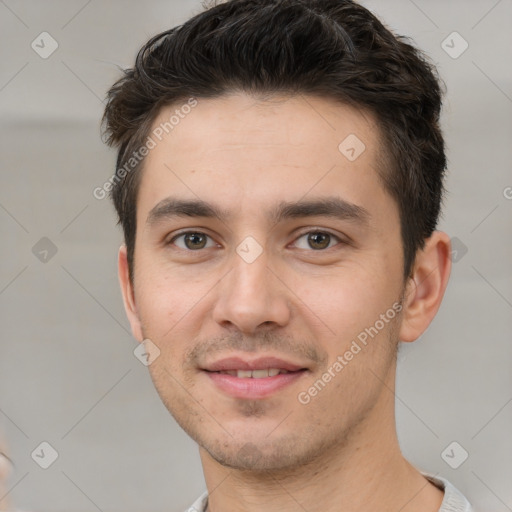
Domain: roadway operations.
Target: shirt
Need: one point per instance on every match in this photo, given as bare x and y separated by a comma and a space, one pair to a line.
453, 501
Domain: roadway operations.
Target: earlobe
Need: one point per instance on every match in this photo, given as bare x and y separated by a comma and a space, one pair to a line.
128, 294
426, 286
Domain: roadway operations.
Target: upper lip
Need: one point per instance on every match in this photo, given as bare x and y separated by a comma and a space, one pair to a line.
262, 363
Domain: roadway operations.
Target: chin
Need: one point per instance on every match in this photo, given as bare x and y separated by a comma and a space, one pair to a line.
284, 454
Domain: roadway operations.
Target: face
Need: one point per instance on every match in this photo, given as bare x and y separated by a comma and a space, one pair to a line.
268, 274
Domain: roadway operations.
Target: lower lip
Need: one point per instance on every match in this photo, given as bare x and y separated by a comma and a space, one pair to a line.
251, 388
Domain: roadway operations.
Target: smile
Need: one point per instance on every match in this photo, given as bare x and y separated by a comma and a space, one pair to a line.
253, 374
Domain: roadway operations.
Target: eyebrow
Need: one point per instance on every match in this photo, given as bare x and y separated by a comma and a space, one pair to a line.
336, 207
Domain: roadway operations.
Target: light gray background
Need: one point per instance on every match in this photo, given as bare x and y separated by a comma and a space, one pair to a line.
68, 375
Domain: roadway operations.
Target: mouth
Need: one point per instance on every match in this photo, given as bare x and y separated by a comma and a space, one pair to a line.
254, 374
253, 379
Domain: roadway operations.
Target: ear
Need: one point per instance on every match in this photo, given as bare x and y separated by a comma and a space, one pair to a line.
128, 294
426, 286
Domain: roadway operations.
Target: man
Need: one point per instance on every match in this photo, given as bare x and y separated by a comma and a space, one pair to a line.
279, 181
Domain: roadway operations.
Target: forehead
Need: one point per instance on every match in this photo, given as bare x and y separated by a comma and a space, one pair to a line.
302, 121
245, 152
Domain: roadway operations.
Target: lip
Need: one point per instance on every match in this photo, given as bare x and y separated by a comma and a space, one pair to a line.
253, 388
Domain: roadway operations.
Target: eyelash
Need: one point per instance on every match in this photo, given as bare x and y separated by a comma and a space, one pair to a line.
316, 231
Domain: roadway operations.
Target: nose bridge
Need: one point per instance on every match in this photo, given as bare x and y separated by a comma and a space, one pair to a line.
250, 295
250, 276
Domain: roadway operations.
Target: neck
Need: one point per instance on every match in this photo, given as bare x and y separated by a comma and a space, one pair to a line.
365, 471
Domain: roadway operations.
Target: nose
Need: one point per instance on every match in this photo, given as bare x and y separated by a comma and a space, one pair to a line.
251, 297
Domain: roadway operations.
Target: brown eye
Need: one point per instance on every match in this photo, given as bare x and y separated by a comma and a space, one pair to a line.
195, 241
319, 240
191, 241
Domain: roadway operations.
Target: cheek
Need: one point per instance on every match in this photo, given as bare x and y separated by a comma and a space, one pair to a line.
161, 301
348, 299
156, 299
171, 306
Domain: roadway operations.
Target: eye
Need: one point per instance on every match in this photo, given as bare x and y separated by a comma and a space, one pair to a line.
192, 241
317, 240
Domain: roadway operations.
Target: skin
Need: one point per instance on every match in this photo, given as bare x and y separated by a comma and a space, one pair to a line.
340, 451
